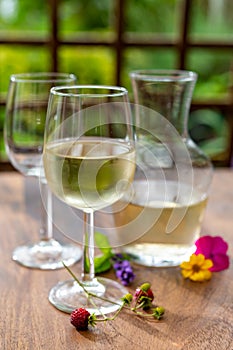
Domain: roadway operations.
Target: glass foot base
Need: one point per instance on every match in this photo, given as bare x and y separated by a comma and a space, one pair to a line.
68, 295
47, 255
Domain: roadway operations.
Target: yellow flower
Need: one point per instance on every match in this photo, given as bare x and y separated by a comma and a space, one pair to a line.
197, 268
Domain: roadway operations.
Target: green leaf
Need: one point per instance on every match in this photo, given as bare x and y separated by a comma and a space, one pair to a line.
103, 263
102, 243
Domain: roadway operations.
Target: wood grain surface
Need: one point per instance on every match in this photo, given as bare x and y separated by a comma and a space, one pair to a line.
198, 316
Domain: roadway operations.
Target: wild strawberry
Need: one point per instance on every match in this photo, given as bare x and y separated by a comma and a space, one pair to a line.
158, 312
79, 318
144, 295
127, 298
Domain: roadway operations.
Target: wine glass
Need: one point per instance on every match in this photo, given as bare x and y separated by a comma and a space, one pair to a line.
89, 162
24, 133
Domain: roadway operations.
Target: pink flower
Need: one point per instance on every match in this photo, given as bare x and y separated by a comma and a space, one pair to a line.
213, 248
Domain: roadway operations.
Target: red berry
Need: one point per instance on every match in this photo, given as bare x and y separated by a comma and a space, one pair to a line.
79, 319
140, 293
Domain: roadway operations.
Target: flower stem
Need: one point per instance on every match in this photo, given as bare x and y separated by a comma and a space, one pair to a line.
89, 294
125, 303
105, 318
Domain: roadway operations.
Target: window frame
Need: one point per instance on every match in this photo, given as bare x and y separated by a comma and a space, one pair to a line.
121, 41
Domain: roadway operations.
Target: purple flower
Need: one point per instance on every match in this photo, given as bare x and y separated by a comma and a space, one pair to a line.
121, 265
118, 257
123, 269
213, 248
126, 275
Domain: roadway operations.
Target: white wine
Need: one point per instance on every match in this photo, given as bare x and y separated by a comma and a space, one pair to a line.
161, 230
89, 173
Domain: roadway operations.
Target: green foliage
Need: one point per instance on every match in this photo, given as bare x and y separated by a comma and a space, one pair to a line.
24, 15
147, 59
161, 16
209, 129
211, 19
85, 15
213, 72
17, 59
103, 262
91, 66
25, 18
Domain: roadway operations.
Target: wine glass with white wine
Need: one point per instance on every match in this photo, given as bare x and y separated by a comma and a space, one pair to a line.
89, 161
24, 136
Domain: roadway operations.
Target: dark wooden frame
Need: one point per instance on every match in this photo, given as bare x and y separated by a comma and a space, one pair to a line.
122, 41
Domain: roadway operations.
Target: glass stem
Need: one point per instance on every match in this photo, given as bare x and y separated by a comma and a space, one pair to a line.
88, 267
46, 228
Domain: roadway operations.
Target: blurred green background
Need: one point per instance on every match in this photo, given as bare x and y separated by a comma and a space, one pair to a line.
210, 20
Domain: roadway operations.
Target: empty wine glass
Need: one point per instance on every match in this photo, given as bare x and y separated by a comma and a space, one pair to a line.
89, 164
24, 133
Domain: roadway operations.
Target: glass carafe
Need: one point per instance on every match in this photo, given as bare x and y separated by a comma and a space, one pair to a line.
162, 220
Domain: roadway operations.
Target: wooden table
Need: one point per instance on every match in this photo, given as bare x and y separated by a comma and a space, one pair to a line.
198, 315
